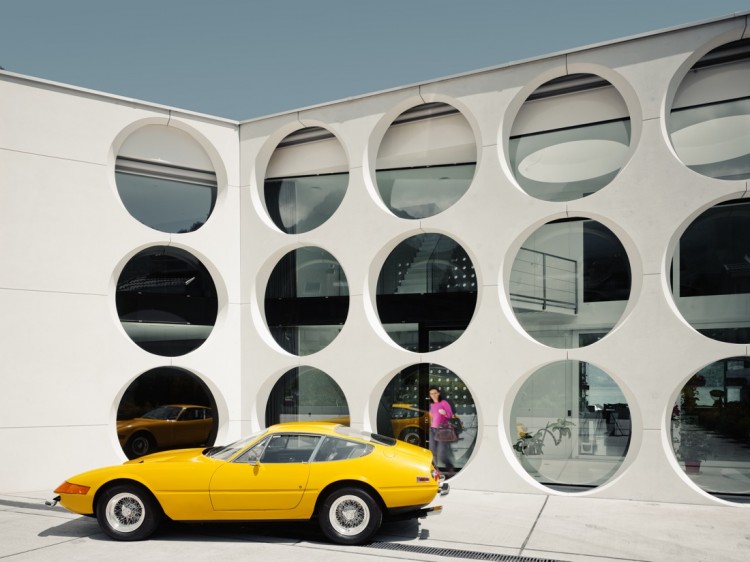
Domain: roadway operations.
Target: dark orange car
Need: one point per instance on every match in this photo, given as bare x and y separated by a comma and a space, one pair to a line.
166, 427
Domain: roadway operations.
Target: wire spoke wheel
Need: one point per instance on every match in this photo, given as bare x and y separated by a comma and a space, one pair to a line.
350, 516
125, 512
128, 512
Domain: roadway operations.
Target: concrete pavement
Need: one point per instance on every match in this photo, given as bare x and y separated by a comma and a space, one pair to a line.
474, 525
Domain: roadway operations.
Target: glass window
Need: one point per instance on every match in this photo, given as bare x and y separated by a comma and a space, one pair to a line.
404, 412
711, 272
570, 426
288, 448
711, 428
570, 138
709, 124
165, 408
569, 278
333, 449
307, 300
426, 161
306, 394
166, 301
306, 180
569, 164
166, 198
426, 292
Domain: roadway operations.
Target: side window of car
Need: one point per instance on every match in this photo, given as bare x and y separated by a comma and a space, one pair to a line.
254, 453
334, 449
289, 448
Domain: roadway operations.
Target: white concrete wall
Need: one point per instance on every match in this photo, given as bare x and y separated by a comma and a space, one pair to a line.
64, 237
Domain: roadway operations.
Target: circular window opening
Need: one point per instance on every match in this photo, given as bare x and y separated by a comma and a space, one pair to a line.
426, 292
419, 402
711, 428
570, 283
166, 301
570, 138
166, 408
570, 426
306, 394
165, 179
711, 272
306, 180
709, 124
426, 161
307, 300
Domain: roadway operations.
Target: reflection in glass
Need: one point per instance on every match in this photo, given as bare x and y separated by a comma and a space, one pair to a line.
307, 300
714, 139
166, 301
567, 164
166, 198
403, 411
306, 394
415, 193
711, 272
426, 292
570, 426
570, 277
300, 204
711, 428
165, 408
426, 161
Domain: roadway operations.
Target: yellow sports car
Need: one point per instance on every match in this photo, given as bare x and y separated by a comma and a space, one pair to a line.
348, 479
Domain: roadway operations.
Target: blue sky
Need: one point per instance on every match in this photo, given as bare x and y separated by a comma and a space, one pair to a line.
241, 59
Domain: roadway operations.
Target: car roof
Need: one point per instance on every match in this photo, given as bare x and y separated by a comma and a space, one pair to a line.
327, 428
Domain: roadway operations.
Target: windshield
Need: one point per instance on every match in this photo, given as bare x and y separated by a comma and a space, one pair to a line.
163, 413
228, 451
365, 435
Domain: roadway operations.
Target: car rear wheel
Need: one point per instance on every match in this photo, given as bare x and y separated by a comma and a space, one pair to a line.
349, 516
412, 435
139, 445
128, 512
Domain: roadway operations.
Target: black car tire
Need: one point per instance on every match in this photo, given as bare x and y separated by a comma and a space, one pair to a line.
349, 516
140, 444
412, 435
128, 512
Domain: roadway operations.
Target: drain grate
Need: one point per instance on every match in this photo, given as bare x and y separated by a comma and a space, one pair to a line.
456, 553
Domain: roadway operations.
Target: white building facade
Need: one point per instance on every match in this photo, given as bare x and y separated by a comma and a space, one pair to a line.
561, 246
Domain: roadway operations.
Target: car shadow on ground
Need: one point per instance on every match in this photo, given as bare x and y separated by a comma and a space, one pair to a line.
273, 532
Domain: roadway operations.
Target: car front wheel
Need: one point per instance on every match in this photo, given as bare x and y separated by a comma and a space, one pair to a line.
349, 516
128, 512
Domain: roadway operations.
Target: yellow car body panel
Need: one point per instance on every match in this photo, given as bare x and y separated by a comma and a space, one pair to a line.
191, 486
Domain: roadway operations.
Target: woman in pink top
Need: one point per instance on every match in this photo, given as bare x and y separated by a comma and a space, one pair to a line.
440, 412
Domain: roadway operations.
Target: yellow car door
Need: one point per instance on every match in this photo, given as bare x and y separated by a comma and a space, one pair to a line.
272, 475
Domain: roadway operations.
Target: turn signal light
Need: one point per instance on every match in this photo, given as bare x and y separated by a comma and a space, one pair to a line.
68, 488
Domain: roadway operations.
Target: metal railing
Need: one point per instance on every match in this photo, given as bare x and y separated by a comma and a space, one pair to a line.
544, 281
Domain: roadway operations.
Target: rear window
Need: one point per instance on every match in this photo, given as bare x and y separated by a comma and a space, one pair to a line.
365, 435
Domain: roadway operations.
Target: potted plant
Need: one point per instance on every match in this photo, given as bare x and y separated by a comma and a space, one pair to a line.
692, 445
533, 443
692, 448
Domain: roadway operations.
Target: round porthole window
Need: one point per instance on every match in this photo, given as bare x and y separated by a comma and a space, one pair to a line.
306, 180
426, 292
570, 426
307, 300
426, 161
166, 301
570, 138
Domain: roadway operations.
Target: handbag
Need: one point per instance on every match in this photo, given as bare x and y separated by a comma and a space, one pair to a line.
446, 433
